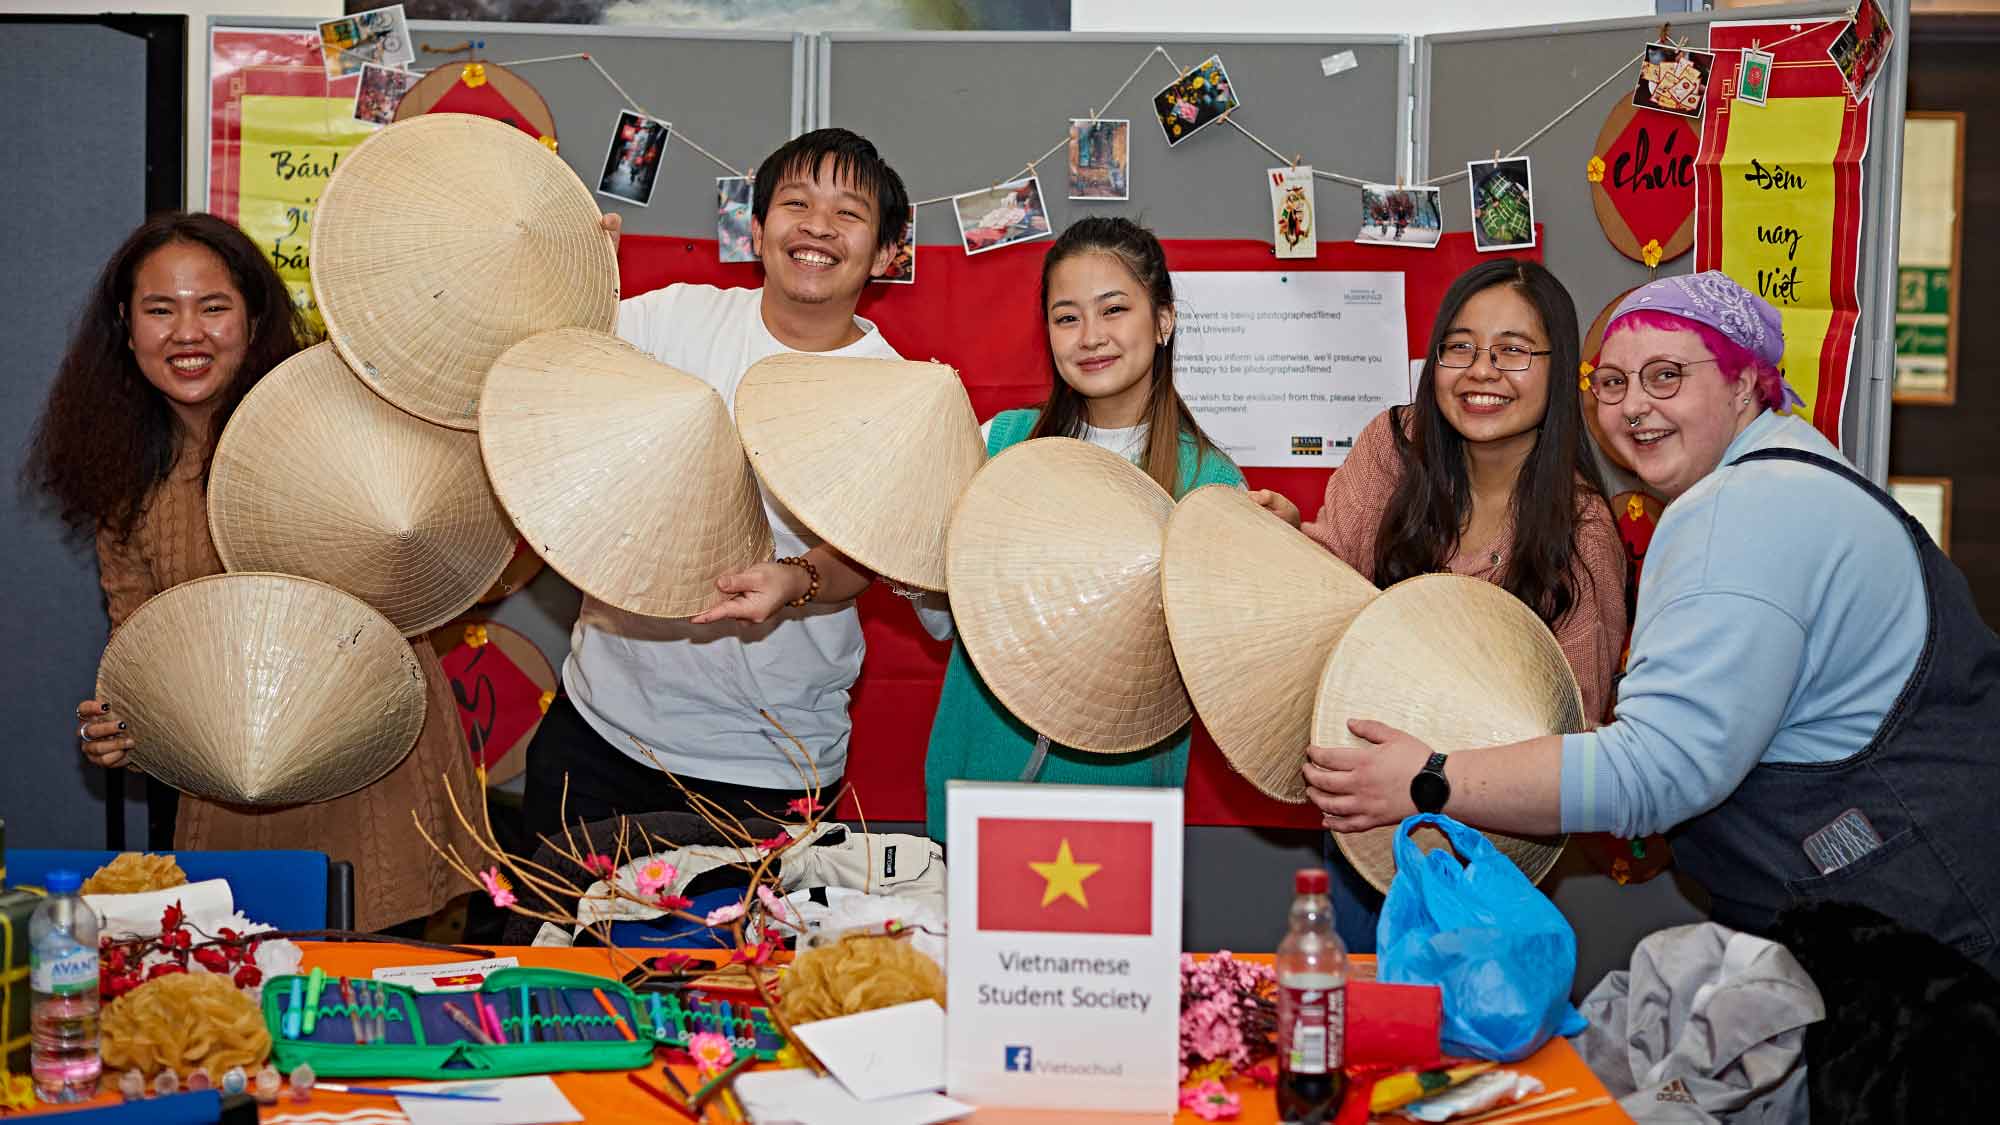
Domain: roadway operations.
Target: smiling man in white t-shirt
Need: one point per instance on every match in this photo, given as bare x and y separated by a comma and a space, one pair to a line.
641, 694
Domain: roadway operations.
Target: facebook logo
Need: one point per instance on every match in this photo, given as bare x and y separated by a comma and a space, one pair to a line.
1020, 1058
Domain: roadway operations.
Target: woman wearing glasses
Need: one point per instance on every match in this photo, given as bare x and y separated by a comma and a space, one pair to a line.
1811, 695
1487, 473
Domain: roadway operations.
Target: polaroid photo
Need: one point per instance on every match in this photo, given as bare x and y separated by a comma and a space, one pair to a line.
1002, 216
1861, 48
1100, 158
379, 35
903, 262
1674, 79
1294, 234
1194, 101
1402, 216
380, 91
1503, 204
1753, 77
638, 143
732, 219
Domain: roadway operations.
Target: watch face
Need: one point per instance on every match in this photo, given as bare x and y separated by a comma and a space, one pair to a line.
1429, 791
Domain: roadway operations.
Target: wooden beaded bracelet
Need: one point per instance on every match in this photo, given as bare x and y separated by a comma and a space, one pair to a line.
812, 572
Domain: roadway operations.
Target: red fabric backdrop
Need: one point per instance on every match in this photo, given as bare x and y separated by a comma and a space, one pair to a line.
979, 315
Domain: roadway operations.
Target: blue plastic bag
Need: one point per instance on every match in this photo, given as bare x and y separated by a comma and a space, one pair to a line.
1498, 949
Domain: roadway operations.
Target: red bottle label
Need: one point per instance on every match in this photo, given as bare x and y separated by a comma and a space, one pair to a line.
1310, 1038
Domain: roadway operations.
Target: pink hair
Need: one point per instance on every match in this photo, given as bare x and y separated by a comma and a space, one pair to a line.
1731, 358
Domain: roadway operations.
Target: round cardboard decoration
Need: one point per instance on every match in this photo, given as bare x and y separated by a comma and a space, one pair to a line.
442, 241
1642, 183
1254, 608
263, 689
503, 685
316, 476
1456, 662
1053, 563
482, 89
1593, 344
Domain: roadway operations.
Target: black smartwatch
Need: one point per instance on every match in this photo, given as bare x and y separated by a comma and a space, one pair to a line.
1429, 790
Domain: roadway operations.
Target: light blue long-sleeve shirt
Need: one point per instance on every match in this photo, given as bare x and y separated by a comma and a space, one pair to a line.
1780, 613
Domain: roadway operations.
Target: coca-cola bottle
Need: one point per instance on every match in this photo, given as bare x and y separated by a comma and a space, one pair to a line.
1312, 1006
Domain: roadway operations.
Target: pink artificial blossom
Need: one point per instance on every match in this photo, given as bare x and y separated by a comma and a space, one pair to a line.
712, 1052
804, 806
673, 902
759, 954
776, 843
497, 885
654, 876
600, 866
772, 902
1212, 1101
722, 915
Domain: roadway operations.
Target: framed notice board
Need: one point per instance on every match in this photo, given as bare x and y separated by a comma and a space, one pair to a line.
1928, 256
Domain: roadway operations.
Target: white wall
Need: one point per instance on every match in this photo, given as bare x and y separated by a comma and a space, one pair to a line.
195, 160
1353, 17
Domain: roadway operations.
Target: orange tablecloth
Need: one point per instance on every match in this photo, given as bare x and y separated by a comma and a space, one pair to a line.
606, 1096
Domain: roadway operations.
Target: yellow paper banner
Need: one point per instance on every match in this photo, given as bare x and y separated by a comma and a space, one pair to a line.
291, 145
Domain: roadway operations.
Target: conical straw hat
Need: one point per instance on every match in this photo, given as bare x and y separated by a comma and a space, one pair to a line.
445, 239
1254, 608
1460, 664
317, 477
871, 454
623, 473
263, 689
1053, 561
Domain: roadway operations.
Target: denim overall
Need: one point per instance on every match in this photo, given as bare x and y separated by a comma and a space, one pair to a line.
1927, 785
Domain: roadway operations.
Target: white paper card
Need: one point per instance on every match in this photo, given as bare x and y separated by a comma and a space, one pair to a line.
454, 976
1338, 63
798, 1097
523, 1101
1064, 962
882, 1053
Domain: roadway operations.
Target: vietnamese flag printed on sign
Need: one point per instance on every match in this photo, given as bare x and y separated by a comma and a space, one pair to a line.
1066, 876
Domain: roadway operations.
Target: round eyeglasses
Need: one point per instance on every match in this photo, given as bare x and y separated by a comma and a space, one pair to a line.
1511, 358
1659, 379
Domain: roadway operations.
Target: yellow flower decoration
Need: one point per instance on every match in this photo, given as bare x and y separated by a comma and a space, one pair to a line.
1583, 371
788, 1058
548, 142
1594, 171
548, 698
1217, 1069
1635, 508
474, 75
475, 636
1651, 252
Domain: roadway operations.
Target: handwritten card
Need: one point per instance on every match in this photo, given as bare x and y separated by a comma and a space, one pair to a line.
883, 1053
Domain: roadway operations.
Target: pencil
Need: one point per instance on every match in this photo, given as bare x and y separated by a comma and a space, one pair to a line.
466, 1023
664, 1098
527, 1022
353, 1011
616, 1019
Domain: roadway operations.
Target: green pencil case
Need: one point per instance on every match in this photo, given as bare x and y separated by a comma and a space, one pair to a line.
568, 1028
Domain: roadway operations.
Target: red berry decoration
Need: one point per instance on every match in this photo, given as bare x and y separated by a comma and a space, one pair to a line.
249, 976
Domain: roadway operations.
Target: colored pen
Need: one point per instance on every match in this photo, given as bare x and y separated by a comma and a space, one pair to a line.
466, 1023
493, 1025
715, 1085
480, 1014
296, 1009
659, 1017
675, 1081
403, 1092
381, 1013
353, 1010
527, 1024
313, 985
662, 1096
617, 1020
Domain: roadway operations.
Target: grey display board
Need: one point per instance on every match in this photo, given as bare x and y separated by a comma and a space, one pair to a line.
739, 95
1485, 90
958, 113
60, 219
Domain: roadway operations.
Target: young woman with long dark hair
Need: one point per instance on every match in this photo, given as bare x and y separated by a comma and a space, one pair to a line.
1108, 304
182, 322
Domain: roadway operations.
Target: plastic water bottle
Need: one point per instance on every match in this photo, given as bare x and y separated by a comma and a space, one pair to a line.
62, 971
1312, 1007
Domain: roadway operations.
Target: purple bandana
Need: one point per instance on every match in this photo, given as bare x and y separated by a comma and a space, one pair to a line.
1712, 298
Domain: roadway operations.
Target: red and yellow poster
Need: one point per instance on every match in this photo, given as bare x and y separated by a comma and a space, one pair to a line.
277, 129
1779, 201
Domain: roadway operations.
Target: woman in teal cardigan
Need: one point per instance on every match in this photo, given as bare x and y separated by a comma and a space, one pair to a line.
1109, 305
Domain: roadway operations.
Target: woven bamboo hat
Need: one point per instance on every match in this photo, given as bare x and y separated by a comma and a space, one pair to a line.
445, 239
1459, 663
871, 454
1254, 608
623, 473
263, 689
1053, 560
315, 476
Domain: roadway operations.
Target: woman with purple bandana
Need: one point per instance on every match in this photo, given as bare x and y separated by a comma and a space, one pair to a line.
1810, 699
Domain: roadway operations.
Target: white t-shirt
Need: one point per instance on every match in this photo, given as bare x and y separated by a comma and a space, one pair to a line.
690, 693
934, 610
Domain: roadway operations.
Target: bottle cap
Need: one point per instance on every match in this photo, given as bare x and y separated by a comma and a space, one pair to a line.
62, 881
1310, 881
